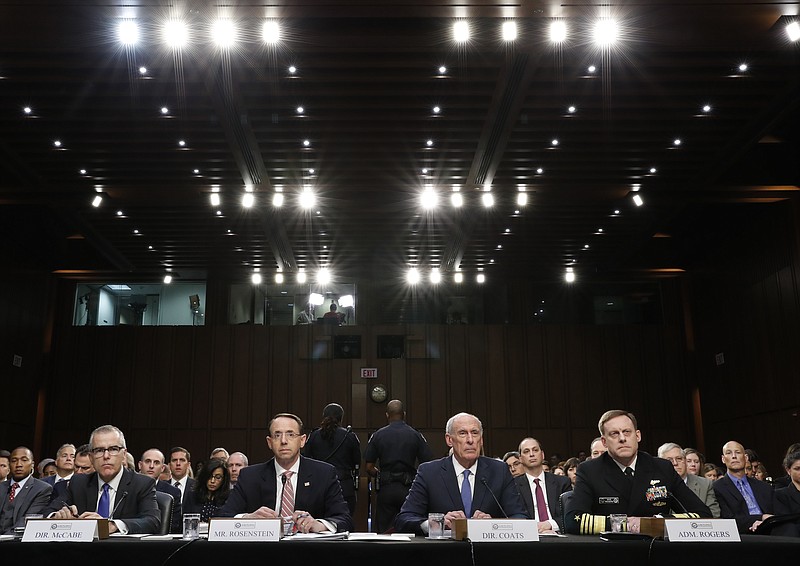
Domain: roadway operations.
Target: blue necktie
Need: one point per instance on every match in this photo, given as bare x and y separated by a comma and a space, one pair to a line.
466, 494
103, 504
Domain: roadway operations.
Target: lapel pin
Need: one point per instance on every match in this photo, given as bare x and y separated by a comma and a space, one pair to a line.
308, 483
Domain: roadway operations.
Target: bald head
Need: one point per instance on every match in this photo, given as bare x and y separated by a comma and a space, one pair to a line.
734, 458
395, 410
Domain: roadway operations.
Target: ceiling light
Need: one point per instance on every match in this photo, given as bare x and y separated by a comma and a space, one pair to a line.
167, 279
585, 246
637, 200
488, 200
306, 143
311, 171
707, 108
97, 200
27, 110
176, 34
605, 32
323, 276
219, 213
554, 142
300, 109
509, 30
676, 142
120, 213
346, 301
591, 69
424, 170
429, 143
793, 31
499, 246
616, 212
429, 199
301, 276
128, 32
82, 171
307, 199
164, 110
653, 170
316, 299
507, 230
292, 70
569, 276
743, 67
412, 276
224, 33
256, 278
522, 199
571, 109
558, 31
481, 278
196, 171
436, 109
442, 70
539, 170
142, 70
271, 31
277, 200
181, 143
248, 199
456, 200
461, 31
279, 278
136, 231
57, 143
214, 199
435, 276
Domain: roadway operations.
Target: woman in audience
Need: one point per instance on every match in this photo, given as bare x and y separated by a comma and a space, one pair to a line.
787, 499
571, 468
761, 473
711, 472
694, 461
211, 490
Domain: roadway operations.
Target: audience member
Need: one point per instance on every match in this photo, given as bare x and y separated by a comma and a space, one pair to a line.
152, 464
236, 462
753, 460
626, 480
597, 448
462, 475
22, 494
694, 461
126, 498
180, 466
787, 499
784, 481
5, 464
211, 490
65, 464
558, 470
745, 499
570, 468
83, 459
391, 457
540, 490
47, 468
339, 447
760, 473
711, 472
130, 463
513, 462
219, 454
699, 485
283, 486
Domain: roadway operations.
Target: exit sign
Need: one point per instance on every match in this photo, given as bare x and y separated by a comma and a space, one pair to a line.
369, 373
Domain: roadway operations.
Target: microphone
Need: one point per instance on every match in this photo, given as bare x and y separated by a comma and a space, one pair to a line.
486, 483
349, 429
672, 497
121, 499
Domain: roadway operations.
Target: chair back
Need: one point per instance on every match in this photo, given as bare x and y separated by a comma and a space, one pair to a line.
165, 505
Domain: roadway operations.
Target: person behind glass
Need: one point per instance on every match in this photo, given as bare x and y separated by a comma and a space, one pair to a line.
464, 485
694, 461
211, 489
332, 317
626, 480
305, 316
339, 447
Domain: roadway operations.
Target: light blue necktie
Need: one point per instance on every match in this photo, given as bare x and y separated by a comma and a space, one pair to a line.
466, 494
103, 504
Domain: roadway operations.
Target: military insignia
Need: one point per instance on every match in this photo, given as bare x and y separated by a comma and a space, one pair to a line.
654, 482
656, 493
659, 503
308, 483
608, 500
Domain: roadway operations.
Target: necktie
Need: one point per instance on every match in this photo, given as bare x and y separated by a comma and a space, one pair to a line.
541, 506
466, 494
103, 504
287, 499
752, 507
13, 492
629, 472
177, 484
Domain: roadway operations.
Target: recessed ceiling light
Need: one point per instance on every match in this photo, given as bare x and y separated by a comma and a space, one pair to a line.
571, 109
442, 70
219, 213
149, 247
436, 109
119, 213
311, 171
277, 200
487, 199
554, 142
248, 199
481, 278
539, 170
306, 143
558, 31
569, 275
57, 143
743, 67
616, 211
676, 142
176, 34
429, 143
215, 199
522, 200
164, 110
97, 200
637, 199
182, 143
82, 171
135, 231
591, 69
224, 33
605, 32
793, 31
509, 30
456, 200
600, 230
653, 170
196, 171
27, 110
142, 70
128, 32
707, 108
585, 246
461, 31
499, 246
424, 170
271, 31
292, 70
508, 230
167, 279
300, 109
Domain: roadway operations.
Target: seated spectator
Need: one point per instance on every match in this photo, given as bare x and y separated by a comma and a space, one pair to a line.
694, 461
784, 481
760, 473
47, 468
787, 499
219, 454
711, 472
740, 497
211, 490
514, 465
5, 464
22, 494
571, 470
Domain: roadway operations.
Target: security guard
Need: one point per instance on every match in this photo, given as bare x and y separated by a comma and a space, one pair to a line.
399, 449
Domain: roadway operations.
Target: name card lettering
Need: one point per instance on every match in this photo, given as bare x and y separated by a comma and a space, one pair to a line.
496, 530
701, 530
237, 530
51, 530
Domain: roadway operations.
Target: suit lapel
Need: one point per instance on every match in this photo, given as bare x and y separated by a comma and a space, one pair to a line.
268, 496
305, 478
21, 499
553, 493
451, 484
524, 488
91, 494
732, 490
616, 480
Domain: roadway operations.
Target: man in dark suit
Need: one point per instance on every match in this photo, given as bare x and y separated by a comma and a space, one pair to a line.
745, 499
536, 486
21, 494
65, 465
462, 486
113, 492
626, 480
180, 462
152, 464
290, 485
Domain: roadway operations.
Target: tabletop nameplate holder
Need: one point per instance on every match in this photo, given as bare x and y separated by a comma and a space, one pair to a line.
70, 530
701, 530
239, 530
495, 530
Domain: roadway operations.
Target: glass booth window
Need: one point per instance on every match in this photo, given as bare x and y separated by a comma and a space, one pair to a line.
140, 304
293, 304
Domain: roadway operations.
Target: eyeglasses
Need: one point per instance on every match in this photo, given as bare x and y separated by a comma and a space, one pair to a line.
676, 459
290, 435
217, 478
112, 451
465, 433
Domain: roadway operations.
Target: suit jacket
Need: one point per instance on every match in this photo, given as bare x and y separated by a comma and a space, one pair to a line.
554, 486
733, 506
176, 525
703, 489
787, 502
436, 490
31, 499
602, 489
138, 509
318, 492
186, 491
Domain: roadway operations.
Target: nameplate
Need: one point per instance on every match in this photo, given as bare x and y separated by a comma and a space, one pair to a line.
54, 530
701, 530
238, 530
495, 530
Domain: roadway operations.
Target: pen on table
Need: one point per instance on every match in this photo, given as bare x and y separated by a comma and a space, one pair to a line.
64, 504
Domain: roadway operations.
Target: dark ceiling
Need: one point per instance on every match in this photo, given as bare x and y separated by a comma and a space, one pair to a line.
367, 78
